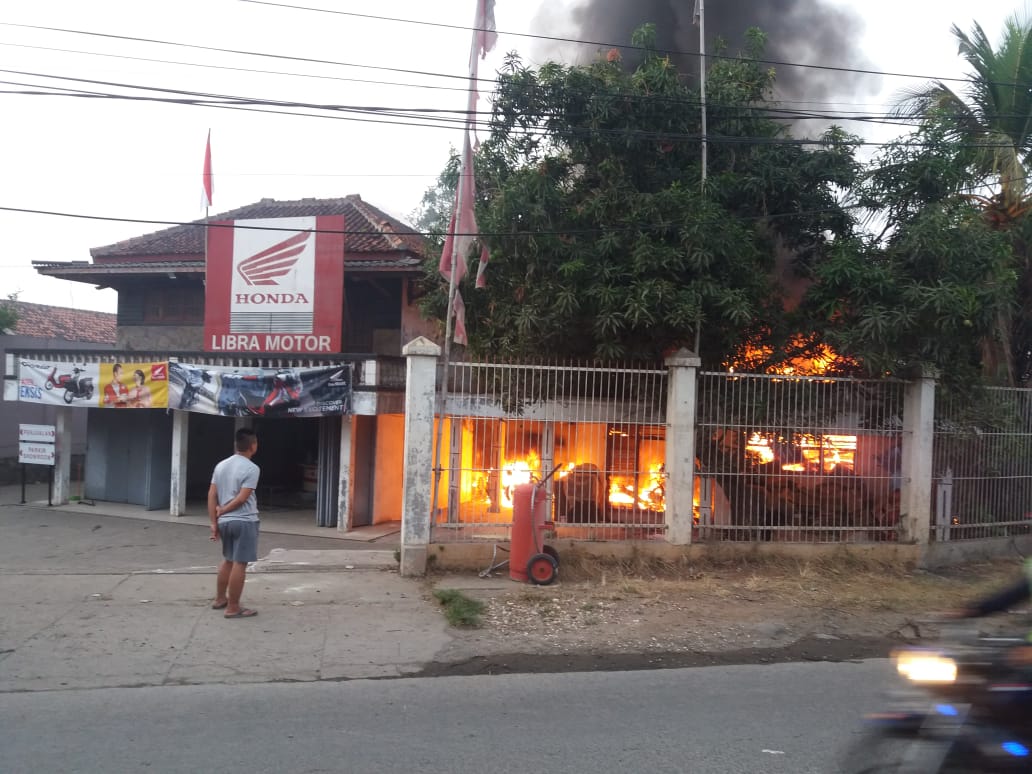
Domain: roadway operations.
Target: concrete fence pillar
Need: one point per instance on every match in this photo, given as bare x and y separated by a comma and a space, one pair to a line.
180, 449
916, 468
345, 481
63, 455
682, 396
417, 479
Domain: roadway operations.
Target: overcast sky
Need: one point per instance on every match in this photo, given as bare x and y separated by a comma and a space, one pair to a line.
134, 159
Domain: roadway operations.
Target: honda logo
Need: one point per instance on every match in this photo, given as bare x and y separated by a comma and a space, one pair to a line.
266, 267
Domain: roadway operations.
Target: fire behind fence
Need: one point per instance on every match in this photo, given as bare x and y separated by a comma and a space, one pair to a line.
594, 435
802, 459
982, 464
777, 457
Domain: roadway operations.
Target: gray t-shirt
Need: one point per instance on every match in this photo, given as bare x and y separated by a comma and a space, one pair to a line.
230, 476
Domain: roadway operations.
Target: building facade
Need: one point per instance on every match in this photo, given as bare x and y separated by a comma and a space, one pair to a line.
252, 317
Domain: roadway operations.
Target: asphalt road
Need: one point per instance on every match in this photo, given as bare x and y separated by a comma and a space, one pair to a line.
776, 718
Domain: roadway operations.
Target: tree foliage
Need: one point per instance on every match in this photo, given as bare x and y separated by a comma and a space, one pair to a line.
603, 242
8, 313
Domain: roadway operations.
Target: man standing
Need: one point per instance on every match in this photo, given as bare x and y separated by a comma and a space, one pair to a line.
233, 511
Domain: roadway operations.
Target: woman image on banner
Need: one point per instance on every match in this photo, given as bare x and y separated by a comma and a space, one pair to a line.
139, 393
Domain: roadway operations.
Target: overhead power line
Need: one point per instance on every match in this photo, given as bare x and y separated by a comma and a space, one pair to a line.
602, 44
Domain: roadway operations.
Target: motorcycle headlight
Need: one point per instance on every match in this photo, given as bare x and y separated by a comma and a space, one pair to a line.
922, 666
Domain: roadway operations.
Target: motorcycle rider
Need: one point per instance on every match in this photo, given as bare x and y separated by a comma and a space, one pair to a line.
1004, 599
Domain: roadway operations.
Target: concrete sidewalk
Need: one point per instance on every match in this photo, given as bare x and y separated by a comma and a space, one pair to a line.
107, 602
93, 631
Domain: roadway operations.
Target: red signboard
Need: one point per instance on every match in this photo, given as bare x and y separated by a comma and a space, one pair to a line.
274, 285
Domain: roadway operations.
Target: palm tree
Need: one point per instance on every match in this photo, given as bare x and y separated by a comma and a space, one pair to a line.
991, 121
994, 114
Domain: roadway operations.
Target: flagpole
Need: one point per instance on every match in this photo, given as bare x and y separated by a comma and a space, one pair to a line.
702, 83
479, 20
700, 18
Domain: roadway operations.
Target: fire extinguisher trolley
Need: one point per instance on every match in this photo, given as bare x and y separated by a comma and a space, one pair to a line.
530, 559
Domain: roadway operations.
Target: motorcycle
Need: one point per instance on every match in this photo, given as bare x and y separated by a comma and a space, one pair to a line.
58, 381
75, 386
963, 707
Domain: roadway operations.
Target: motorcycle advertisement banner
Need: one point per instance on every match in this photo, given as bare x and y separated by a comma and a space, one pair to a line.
133, 385
262, 392
58, 384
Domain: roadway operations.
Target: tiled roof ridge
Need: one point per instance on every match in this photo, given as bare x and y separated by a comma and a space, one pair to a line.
381, 221
395, 234
63, 322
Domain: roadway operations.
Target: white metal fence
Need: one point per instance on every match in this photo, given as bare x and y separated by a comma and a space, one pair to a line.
598, 430
778, 457
801, 459
982, 464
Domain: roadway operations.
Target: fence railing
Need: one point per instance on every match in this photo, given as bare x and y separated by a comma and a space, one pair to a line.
802, 459
599, 432
777, 457
982, 464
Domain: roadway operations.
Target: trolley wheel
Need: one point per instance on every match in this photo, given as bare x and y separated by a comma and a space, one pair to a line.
542, 569
551, 552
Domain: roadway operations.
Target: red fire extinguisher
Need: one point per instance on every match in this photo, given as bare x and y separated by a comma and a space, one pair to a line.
529, 557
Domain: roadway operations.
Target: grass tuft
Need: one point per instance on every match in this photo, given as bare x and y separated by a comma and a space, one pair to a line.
460, 610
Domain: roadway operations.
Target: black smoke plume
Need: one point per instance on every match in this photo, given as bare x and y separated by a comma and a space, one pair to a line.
798, 31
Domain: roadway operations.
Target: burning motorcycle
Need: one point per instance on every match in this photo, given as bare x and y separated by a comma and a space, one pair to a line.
75, 386
964, 707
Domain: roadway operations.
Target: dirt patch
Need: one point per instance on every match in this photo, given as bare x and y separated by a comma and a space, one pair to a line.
633, 615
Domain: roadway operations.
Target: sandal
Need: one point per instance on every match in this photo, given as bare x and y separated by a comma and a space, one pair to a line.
244, 613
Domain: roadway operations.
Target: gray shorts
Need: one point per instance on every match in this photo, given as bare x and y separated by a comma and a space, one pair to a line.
239, 540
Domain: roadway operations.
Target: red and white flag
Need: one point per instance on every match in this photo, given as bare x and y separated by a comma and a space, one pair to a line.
486, 30
462, 228
207, 179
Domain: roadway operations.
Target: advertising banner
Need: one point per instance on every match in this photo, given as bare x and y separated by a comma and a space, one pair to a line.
134, 385
58, 384
261, 293
107, 385
261, 392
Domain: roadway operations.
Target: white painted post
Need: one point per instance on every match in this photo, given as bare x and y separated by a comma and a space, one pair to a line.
63, 455
680, 445
918, 438
420, 394
345, 481
180, 445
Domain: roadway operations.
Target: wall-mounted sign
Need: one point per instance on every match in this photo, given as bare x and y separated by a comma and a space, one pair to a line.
274, 285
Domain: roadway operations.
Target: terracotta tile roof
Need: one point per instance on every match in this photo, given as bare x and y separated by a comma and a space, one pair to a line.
375, 231
59, 322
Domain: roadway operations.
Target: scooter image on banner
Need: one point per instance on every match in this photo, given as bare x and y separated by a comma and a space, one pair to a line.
61, 382
76, 386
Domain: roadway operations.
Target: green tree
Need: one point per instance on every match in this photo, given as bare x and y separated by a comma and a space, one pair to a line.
602, 241
994, 114
8, 313
990, 127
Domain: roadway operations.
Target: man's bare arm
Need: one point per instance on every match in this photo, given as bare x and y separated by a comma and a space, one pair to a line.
213, 510
236, 502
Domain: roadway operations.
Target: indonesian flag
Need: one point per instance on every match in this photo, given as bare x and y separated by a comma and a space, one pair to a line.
207, 179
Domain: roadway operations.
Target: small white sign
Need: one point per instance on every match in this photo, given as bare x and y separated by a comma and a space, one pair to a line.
37, 433
36, 453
